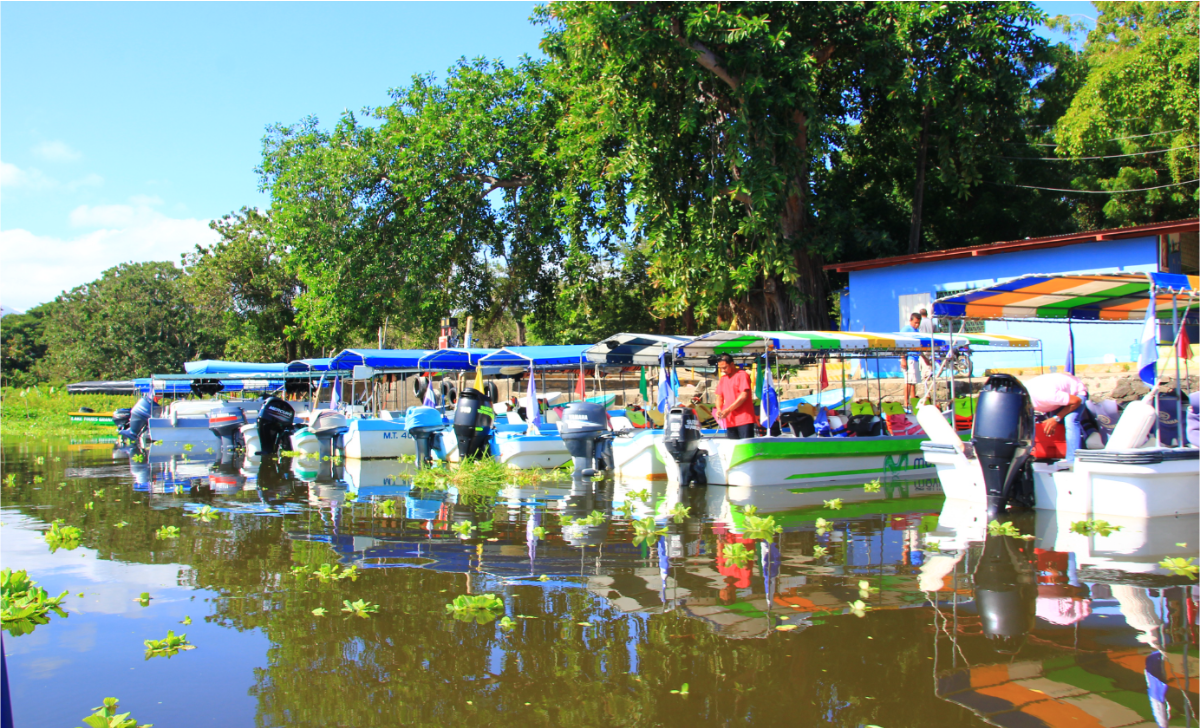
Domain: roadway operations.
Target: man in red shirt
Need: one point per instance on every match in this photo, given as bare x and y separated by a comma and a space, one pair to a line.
735, 400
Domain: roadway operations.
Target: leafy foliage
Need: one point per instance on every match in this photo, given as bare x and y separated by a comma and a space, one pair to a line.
106, 716
1094, 528
478, 608
62, 537
737, 554
645, 531
24, 605
168, 646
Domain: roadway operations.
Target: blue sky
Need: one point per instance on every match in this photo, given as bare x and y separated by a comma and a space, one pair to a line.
126, 127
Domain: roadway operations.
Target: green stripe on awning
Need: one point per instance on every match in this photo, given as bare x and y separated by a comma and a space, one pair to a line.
736, 345
815, 342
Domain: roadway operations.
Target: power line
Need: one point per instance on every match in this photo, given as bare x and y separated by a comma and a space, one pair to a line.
1120, 139
1096, 192
1108, 156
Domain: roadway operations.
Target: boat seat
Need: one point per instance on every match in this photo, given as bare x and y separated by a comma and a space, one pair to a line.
892, 408
705, 416
863, 407
964, 412
657, 418
805, 408
637, 418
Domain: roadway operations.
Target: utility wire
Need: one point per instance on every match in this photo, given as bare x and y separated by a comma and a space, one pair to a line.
1096, 192
1108, 156
1119, 139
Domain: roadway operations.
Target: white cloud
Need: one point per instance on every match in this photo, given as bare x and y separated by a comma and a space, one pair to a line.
37, 268
14, 177
56, 151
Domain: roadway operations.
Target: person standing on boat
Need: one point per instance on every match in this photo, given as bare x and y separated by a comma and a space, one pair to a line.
735, 400
1061, 396
911, 364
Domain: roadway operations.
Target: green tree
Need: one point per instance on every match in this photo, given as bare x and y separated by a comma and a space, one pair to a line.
133, 321
1138, 110
242, 287
23, 346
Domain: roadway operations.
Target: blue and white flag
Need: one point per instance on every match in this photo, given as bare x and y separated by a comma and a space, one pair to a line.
1148, 358
532, 409
1070, 367
768, 408
664, 385
428, 400
335, 396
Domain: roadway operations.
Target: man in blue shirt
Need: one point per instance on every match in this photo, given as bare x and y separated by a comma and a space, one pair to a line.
911, 364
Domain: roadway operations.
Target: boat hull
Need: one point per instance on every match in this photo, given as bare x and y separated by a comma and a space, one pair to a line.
797, 461
529, 452
371, 438
637, 456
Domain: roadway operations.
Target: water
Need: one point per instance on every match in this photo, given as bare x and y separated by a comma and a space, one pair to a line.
605, 629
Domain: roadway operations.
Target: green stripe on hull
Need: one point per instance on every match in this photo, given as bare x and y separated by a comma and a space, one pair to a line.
823, 447
881, 507
834, 474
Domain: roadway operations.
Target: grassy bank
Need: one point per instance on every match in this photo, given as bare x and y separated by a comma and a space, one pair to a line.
44, 411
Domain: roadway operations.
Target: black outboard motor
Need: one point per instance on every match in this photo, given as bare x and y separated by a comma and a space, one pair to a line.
226, 423
139, 419
802, 424
682, 440
275, 421
583, 427
1006, 591
473, 424
1003, 439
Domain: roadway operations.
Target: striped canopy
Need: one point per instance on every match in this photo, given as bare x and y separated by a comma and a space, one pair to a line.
1077, 297
633, 349
745, 343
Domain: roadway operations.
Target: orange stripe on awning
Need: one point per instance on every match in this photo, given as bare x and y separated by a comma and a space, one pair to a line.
987, 675
1058, 713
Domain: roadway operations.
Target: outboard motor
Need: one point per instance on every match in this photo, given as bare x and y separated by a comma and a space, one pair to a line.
422, 423
275, 421
1003, 439
583, 427
1005, 581
139, 419
121, 418
473, 424
329, 426
682, 440
226, 423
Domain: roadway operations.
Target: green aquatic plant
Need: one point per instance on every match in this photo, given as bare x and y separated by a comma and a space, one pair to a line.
359, 608
872, 487
823, 526
292, 454
478, 608
121, 524
106, 716
1094, 528
749, 510
595, 518
185, 621
319, 612
138, 458
681, 691
89, 506
387, 507
38, 479
407, 459
143, 599
98, 493
10, 480
62, 537
680, 513
209, 450
206, 514
167, 532
865, 590
643, 495
329, 573
859, 608
626, 510
565, 521
24, 605
1180, 566
996, 528
819, 552
834, 505
645, 531
40, 460
507, 623
187, 447
168, 646
762, 527
463, 528
539, 533
737, 554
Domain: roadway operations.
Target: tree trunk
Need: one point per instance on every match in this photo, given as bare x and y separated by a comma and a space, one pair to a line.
520, 332
914, 233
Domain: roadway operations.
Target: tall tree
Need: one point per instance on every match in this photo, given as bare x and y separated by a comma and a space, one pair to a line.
1136, 113
23, 345
242, 286
133, 321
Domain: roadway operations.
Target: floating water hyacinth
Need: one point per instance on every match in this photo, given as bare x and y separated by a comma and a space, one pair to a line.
823, 526
167, 532
737, 554
26, 605
1094, 528
168, 646
873, 486
186, 621
205, 513
681, 691
463, 528
996, 528
539, 532
680, 512
596, 518
387, 507
1180, 566
819, 551
507, 624
645, 532
642, 495
859, 608
62, 537
359, 608
834, 505
319, 612
106, 716
763, 528
478, 608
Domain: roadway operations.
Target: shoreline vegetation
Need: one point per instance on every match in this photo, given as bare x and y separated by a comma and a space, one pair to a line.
44, 411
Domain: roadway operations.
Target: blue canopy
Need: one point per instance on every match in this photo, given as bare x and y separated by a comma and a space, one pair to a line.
539, 357
309, 365
461, 359
379, 358
211, 366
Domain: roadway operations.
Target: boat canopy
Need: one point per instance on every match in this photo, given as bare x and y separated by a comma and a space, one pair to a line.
633, 349
309, 365
379, 358
539, 357
1121, 297
454, 359
104, 387
177, 387
212, 366
792, 343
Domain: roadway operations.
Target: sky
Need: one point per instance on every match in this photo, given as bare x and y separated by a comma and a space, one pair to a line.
126, 127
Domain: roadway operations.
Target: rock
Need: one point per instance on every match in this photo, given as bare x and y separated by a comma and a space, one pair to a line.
1128, 388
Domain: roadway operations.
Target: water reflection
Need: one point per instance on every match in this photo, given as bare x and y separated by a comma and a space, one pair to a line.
961, 627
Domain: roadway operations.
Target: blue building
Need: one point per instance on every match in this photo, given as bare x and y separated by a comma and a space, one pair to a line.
883, 292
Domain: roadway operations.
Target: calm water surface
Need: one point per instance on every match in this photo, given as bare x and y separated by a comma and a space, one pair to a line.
959, 628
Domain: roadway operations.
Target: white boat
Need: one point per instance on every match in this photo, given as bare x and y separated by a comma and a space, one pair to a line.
802, 462
527, 452
186, 420
635, 456
378, 438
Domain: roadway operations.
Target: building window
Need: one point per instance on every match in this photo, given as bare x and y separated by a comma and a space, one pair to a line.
942, 326
1179, 253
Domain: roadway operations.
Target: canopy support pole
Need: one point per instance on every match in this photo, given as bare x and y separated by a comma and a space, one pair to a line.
845, 400
1179, 424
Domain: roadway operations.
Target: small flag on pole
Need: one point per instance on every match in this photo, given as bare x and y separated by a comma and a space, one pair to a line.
1148, 358
335, 396
823, 378
769, 404
664, 385
428, 401
478, 377
535, 415
579, 391
1183, 349
1070, 367
644, 388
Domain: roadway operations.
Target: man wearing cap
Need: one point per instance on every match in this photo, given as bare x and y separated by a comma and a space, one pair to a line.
1061, 396
735, 400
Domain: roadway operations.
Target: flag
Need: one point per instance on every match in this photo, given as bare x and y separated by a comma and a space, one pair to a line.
1148, 358
1183, 349
768, 409
579, 393
758, 382
664, 387
478, 377
535, 414
1070, 367
823, 379
335, 397
643, 388
429, 401
674, 387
